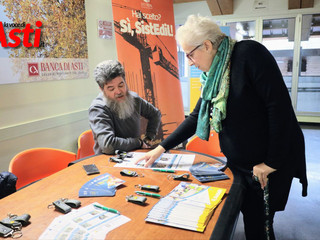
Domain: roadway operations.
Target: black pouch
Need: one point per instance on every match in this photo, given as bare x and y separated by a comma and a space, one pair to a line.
181, 177
129, 173
136, 199
152, 188
5, 231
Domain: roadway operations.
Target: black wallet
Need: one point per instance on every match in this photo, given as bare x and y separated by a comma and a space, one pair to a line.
91, 169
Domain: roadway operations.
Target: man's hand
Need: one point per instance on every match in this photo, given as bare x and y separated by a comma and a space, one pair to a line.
149, 142
145, 145
262, 171
151, 156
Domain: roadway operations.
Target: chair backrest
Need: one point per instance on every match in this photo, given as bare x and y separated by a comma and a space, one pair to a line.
85, 144
211, 147
34, 164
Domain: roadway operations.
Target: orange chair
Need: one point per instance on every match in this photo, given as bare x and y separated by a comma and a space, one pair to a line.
211, 147
34, 164
85, 144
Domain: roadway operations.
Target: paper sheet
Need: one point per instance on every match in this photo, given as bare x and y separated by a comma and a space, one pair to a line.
86, 222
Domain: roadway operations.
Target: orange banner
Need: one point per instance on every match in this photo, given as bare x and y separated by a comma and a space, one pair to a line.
147, 49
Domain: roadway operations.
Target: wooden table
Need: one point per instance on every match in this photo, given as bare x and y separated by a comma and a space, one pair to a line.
35, 198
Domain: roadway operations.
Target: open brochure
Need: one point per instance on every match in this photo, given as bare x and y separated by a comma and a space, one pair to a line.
208, 172
87, 222
101, 186
165, 161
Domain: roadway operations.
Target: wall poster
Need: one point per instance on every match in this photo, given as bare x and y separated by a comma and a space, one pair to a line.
146, 46
42, 40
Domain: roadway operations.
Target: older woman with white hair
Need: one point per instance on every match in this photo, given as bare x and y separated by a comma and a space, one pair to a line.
245, 100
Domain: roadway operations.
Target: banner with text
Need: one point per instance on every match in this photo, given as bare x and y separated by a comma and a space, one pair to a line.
144, 31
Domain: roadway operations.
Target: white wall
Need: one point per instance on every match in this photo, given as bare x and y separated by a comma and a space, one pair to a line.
54, 113
242, 9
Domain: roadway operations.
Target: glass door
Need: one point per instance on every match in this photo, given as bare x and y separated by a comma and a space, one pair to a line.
308, 98
278, 38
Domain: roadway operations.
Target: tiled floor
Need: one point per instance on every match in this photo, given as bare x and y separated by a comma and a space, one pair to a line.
301, 219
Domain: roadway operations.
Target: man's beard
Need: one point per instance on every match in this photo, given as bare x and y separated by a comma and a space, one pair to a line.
123, 109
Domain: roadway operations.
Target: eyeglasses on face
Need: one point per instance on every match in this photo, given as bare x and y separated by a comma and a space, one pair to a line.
189, 55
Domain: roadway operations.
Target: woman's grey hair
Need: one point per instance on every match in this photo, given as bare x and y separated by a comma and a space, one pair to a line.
107, 71
197, 29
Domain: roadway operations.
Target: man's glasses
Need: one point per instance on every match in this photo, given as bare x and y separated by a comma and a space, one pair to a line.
189, 55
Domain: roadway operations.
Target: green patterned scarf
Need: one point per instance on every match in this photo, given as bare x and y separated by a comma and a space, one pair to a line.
215, 90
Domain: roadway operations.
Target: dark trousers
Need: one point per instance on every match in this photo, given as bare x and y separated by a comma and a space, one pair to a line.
253, 211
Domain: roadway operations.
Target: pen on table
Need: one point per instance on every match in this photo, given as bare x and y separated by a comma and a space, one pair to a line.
163, 170
107, 209
148, 194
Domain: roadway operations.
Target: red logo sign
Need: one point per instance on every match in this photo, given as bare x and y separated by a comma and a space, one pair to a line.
33, 69
26, 32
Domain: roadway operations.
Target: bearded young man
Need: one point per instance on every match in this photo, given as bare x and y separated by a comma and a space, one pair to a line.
114, 115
